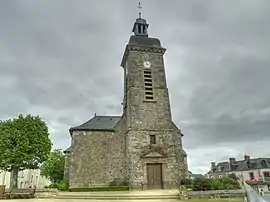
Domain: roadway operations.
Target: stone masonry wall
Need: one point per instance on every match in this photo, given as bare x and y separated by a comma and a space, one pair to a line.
145, 118
97, 158
67, 164
138, 143
147, 114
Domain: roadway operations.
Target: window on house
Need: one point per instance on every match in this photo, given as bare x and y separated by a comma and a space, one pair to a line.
220, 176
32, 177
153, 139
264, 164
251, 176
266, 174
36, 179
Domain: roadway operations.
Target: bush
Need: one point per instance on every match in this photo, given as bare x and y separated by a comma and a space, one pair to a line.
53, 185
63, 185
233, 176
104, 188
202, 184
230, 183
186, 181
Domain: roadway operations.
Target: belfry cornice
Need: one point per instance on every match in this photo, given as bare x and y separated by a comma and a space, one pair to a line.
139, 48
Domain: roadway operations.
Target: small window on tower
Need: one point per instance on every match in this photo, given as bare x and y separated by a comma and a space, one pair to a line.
148, 85
153, 139
149, 97
148, 93
147, 72
148, 80
148, 89
147, 76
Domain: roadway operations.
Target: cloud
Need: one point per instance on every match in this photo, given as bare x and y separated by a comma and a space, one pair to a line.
61, 60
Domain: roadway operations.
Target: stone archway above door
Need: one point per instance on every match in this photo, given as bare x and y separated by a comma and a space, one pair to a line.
154, 166
154, 153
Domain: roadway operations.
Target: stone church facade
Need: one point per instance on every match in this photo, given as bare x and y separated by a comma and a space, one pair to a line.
141, 148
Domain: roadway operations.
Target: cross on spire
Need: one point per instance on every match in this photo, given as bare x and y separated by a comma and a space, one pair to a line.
140, 9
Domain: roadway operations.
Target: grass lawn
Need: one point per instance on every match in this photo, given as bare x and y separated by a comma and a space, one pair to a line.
217, 200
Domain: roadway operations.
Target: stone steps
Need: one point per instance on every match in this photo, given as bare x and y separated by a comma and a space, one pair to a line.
120, 198
129, 196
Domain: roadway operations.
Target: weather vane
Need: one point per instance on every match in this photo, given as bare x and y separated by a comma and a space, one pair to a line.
140, 9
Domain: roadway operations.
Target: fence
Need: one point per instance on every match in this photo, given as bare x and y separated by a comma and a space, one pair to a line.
252, 195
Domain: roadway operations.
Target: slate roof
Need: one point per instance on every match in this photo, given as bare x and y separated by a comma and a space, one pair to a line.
144, 41
98, 123
256, 163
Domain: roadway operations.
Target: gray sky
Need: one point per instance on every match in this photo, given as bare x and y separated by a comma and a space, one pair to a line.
61, 60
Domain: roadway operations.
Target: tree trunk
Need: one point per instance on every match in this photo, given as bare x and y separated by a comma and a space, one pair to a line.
14, 178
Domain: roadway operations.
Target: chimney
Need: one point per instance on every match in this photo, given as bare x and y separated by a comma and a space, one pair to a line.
213, 164
247, 158
232, 161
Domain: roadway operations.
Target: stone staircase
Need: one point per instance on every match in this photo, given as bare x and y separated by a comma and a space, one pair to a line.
162, 195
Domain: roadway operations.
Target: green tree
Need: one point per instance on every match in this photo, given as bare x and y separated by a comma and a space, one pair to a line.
24, 144
232, 175
201, 184
53, 167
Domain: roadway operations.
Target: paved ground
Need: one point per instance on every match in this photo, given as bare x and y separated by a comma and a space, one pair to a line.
86, 200
267, 197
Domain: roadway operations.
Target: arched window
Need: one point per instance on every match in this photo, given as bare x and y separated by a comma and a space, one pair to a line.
263, 164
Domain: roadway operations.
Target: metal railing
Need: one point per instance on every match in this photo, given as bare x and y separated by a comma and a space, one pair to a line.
252, 195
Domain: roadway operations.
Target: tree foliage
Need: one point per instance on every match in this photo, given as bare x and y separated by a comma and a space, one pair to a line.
233, 176
24, 144
53, 167
201, 184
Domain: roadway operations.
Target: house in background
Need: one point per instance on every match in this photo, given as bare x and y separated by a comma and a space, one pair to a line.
26, 178
193, 176
246, 169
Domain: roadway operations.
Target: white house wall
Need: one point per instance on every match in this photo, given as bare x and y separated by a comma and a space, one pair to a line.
26, 178
5, 178
245, 173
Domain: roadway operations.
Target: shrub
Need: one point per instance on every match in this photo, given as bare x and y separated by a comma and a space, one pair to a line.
201, 184
63, 185
233, 176
104, 188
53, 185
230, 183
186, 181
218, 185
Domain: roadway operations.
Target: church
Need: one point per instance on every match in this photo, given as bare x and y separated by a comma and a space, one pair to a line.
142, 148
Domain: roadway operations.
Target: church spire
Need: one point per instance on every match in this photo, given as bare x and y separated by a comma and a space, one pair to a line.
140, 26
140, 9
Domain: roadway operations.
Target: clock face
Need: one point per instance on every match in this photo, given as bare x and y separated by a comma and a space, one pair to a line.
147, 64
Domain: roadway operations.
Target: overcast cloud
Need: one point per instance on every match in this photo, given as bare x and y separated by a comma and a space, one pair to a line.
61, 60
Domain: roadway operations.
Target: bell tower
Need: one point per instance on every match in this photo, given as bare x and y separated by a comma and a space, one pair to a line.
154, 154
146, 98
